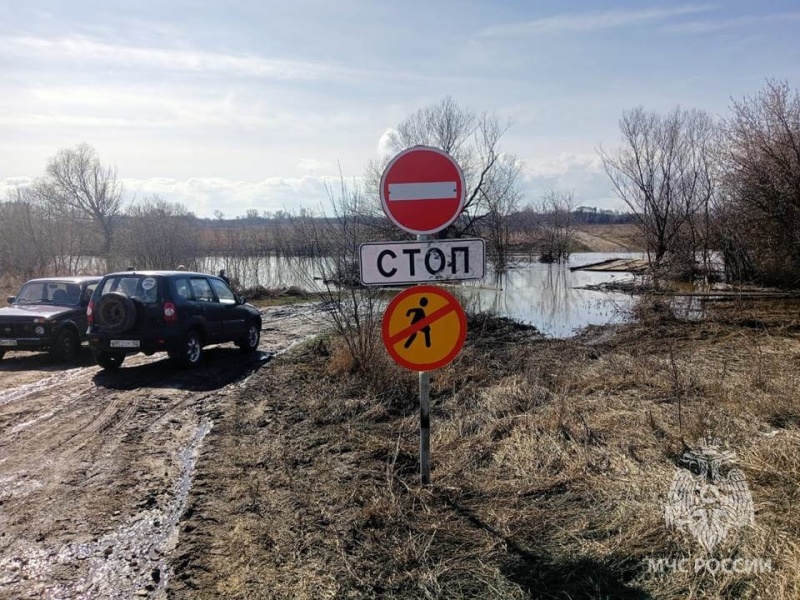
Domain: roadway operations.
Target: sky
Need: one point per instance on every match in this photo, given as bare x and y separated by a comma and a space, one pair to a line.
232, 106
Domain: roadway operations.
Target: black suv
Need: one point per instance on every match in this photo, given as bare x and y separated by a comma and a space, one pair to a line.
174, 311
47, 314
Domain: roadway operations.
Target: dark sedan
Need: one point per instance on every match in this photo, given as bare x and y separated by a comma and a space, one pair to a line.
48, 314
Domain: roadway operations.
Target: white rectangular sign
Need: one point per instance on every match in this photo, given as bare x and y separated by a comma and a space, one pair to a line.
392, 263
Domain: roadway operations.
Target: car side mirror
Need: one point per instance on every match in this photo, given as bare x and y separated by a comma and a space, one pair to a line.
11, 299
241, 300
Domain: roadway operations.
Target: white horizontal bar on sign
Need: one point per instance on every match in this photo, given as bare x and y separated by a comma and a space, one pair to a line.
434, 190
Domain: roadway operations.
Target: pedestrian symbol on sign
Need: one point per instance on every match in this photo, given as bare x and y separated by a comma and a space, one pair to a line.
424, 328
417, 314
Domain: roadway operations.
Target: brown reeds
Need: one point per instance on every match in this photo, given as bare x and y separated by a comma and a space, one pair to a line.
552, 460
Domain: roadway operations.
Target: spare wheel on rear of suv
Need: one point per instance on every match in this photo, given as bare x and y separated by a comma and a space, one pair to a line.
115, 312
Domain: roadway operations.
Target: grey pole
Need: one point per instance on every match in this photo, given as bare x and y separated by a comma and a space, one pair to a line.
425, 427
424, 419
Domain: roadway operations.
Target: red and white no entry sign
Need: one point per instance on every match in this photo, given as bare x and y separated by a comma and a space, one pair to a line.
422, 190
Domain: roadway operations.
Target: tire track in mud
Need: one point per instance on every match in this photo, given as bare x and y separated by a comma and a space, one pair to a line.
102, 450
95, 467
43, 385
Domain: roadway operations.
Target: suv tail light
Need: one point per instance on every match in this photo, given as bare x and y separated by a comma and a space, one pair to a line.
170, 314
90, 312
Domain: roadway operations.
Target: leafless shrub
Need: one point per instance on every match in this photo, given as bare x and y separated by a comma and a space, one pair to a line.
158, 234
665, 171
760, 209
36, 239
327, 264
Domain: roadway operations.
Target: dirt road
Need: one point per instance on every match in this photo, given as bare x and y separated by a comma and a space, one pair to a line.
95, 466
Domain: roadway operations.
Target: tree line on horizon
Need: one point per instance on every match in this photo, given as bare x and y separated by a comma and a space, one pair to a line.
693, 184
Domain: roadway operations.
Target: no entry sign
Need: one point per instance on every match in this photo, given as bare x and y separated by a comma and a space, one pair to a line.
422, 190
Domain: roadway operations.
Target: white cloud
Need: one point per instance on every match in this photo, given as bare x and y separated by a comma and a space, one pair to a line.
749, 21
561, 164
9, 184
315, 166
92, 51
385, 150
104, 106
204, 196
592, 21
581, 174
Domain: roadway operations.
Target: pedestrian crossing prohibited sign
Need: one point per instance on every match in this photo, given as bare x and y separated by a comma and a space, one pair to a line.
424, 328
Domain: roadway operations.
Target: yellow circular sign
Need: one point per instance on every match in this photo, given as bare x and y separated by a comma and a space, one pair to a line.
424, 328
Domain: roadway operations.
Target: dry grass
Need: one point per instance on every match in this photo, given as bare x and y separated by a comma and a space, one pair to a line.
9, 286
609, 238
263, 297
551, 465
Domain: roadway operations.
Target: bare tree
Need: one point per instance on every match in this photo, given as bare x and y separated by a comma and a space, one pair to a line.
76, 180
761, 203
556, 228
663, 172
158, 234
501, 200
474, 143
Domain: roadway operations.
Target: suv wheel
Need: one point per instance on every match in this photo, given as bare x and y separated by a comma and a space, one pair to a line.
116, 313
66, 346
250, 341
190, 351
108, 360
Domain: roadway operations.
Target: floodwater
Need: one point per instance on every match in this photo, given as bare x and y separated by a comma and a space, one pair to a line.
550, 296
547, 296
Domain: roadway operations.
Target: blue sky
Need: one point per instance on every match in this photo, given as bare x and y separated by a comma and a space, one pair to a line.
233, 106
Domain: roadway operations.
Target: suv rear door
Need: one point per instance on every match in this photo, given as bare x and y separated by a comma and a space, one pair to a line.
205, 303
233, 316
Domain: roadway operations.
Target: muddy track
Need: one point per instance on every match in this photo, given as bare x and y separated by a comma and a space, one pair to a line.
95, 466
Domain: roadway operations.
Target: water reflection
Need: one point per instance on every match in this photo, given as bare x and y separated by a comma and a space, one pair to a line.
549, 297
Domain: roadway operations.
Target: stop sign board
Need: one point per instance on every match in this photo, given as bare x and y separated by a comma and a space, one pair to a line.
422, 190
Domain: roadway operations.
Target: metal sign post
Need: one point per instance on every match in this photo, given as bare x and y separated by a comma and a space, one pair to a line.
425, 427
424, 419
423, 191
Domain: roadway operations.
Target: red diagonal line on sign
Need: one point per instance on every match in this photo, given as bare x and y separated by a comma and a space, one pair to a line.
434, 316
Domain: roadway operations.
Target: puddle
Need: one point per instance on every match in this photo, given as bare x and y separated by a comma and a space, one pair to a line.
128, 562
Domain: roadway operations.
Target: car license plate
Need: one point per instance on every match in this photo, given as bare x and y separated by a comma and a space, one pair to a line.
124, 343
8, 342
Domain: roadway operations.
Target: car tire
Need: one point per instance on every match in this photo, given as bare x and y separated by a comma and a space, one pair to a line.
190, 352
108, 360
249, 343
115, 312
66, 346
